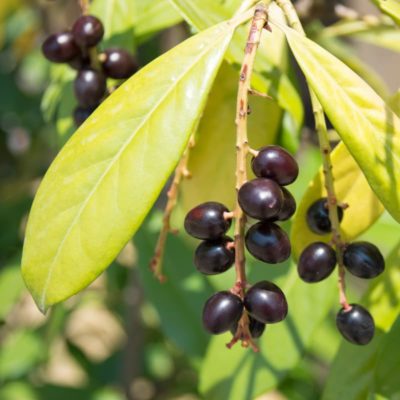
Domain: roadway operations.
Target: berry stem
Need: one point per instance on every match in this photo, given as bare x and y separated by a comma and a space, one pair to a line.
181, 172
84, 5
242, 150
325, 148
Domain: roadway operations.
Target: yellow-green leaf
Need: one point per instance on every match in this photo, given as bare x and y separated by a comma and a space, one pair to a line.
351, 188
216, 139
390, 7
104, 181
368, 127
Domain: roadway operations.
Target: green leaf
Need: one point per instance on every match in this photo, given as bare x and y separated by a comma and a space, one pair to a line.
345, 53
216, 137
383, 301
151, 16
240, 374
117, 18
390, 7
104, 181
271, 62
387, 36
387, 369
11, 287
19, 353
368, 127
185, 289
351, 188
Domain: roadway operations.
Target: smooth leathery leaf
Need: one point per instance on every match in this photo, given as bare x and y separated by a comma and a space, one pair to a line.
368, 127
271, 65
351, 188
216, 143
104, 181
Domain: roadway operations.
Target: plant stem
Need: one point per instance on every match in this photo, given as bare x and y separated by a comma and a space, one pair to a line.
323, 138
181, 172
84, 4
242, 149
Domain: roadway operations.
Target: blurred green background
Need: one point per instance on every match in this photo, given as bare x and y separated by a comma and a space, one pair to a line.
127, 336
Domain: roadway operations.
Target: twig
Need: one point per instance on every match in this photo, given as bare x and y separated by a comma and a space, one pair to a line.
325, 148
181, 172
242, 150
84, 4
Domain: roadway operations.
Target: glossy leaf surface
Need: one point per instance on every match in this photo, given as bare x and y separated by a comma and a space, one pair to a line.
104, 181
368, 127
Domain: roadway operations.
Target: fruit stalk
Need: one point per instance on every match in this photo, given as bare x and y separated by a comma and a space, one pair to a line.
181, 172
242, 146
323, 139
242, 150
84, 5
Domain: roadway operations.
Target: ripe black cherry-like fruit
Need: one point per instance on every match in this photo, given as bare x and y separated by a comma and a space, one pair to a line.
60, 47
90, 87
356, 325
221, 312
206, 221
266, 302
317, 261
363, 259
214, 256
288, 207
267, 242
261, 198
256, 328
82, 114
118, 64
88, 31
275, 163
318, 217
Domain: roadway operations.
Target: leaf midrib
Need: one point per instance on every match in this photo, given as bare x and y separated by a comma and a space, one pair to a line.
113, 160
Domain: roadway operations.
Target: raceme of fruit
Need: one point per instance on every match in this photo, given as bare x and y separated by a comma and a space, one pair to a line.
362, 259
77, 47
266, 200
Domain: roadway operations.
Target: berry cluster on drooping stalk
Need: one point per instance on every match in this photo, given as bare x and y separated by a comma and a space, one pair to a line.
361, 259
75, 47
267, 200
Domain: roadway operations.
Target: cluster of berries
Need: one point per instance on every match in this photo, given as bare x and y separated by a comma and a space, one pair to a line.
264, 199
74, 47
362, 259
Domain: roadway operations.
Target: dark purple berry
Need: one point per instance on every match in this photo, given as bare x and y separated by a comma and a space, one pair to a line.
90, 87
119, 64
318, 217
363, 259
356, 325
80, 62
289, 206
256, 328
214, 256
266, 302
207, 222
88, 31
82, 114
221, 312
267, 242
60, 47
275, 163
261, 198
317, 261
